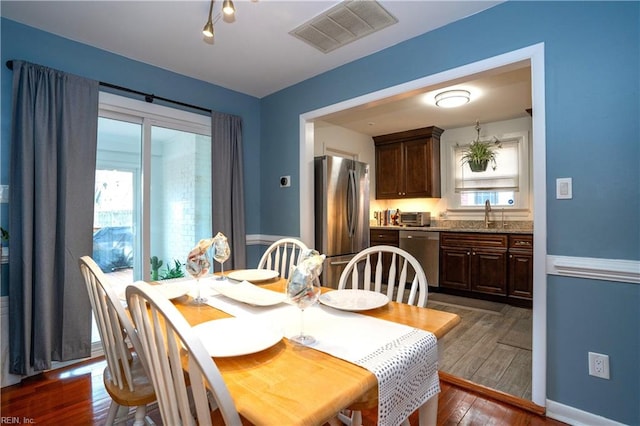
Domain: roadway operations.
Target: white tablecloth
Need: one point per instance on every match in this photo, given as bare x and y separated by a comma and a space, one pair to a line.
404, 359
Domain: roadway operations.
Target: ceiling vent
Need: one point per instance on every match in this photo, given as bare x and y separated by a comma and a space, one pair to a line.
344, 23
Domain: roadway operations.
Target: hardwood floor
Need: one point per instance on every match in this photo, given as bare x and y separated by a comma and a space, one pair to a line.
75, 395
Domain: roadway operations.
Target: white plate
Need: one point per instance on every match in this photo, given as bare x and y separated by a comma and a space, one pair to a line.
253, 275
248, 293
236, 336
354, 300
169, 290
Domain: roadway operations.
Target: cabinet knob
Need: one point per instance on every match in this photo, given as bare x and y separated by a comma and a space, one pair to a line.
468, 253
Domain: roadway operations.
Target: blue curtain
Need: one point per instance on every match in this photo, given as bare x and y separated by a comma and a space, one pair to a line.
53, 157
227, 185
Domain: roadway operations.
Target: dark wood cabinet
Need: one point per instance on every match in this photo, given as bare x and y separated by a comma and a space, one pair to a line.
386, 237
454, 267
495, 265
408, 164
474, 262
521, 266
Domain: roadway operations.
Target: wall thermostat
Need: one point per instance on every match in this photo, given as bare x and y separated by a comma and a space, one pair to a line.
285, 181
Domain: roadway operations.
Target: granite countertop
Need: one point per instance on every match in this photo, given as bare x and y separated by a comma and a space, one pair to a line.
511, 227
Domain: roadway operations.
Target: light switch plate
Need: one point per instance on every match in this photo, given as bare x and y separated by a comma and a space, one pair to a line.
4, 193
564, 190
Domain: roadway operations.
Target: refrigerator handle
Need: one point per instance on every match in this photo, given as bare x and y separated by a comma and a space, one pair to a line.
352, 203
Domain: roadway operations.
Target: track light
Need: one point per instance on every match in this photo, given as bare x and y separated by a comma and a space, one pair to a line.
228, 8
208, 27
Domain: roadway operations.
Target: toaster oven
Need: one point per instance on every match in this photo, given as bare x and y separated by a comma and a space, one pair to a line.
415, 218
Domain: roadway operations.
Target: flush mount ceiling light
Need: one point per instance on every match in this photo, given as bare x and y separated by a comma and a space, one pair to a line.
227, 8
452, 98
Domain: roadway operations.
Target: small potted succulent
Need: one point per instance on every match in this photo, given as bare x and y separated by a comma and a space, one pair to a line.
479, 154
4, 238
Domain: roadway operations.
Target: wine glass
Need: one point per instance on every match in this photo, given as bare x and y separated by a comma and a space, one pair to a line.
197, 266
221, 253
303, 293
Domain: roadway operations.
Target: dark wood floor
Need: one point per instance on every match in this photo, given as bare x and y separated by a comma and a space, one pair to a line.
75, 396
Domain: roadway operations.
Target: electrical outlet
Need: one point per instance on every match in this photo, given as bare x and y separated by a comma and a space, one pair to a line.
599, 365
285, 181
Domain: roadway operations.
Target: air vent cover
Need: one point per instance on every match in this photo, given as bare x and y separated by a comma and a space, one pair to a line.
344, 23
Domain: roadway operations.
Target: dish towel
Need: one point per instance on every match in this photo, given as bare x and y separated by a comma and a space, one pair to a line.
404, 359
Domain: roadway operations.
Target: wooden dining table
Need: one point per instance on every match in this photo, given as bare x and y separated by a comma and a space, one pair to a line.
290, 384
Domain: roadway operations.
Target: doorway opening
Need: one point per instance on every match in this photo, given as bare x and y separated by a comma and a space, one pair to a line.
534, 54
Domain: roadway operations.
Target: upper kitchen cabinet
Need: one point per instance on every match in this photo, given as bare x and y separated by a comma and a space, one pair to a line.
408, 164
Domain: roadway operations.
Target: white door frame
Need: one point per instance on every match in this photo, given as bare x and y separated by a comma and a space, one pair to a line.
535, 54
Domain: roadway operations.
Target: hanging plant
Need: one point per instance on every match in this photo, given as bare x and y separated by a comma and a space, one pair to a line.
480, 153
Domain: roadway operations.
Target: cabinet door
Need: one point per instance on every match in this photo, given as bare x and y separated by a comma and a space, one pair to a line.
384, 237
489, 271
388, 169
521, 274
417, 169
454, 267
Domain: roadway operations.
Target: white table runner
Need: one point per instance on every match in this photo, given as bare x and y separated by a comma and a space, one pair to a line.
403, 359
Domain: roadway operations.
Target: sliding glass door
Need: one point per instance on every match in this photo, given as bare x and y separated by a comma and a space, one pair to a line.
153, 189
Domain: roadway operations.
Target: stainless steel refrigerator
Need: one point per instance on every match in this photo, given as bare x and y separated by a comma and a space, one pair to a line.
341, 212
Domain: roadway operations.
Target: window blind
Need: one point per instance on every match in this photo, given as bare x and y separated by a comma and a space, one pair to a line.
504, 176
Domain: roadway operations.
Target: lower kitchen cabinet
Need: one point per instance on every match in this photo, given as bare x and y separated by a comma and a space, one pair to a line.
385, 237
494, 266
474, 262
521, 266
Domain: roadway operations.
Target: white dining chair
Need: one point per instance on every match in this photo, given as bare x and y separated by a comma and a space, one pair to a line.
176, 356
282, 255
366, 271
125, 377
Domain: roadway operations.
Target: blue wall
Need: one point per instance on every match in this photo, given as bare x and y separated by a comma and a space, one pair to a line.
592, 113
29, 44
592, 134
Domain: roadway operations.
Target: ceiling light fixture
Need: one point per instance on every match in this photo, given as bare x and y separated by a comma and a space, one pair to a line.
227, 8
452, 98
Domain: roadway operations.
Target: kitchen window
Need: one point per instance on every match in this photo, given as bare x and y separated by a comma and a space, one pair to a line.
505, 186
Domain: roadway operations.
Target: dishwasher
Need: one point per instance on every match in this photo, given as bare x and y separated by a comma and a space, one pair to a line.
425, 247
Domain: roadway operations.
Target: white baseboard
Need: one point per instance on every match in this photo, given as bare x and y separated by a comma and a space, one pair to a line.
575, 417
627, 271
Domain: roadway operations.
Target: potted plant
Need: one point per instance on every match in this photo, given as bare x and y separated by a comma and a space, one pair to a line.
479, 154
4, 235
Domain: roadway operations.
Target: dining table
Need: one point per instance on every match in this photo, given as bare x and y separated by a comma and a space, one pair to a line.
291, 384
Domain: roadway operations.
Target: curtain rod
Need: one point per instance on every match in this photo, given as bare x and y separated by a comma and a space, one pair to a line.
147, 96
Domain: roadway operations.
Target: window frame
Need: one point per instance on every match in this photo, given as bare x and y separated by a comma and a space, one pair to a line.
522, 197
149, 115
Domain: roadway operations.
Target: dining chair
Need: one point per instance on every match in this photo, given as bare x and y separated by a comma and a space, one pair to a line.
125, 376
368, 270
282, 255
185, 377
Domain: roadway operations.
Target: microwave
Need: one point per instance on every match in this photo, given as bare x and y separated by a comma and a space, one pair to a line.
415, 218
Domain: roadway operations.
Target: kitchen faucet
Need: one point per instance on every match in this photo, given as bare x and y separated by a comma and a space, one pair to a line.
487, 209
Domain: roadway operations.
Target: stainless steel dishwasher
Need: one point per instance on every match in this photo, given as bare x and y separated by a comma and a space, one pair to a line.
425, 247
